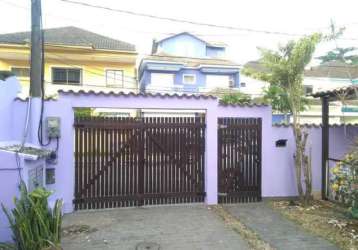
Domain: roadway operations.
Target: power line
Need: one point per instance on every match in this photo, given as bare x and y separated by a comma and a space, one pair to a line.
177, 20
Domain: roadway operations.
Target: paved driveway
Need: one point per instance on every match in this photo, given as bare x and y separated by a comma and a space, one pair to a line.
171, 227
276, 230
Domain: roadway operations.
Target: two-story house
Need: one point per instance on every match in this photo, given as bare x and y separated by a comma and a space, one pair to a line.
74, 58
186, 63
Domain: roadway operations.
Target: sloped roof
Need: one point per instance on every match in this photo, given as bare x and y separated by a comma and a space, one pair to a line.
349, 92
209, 43
190, 61
71, 36
332, 69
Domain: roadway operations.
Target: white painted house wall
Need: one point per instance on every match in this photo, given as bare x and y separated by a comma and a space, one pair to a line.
252, 87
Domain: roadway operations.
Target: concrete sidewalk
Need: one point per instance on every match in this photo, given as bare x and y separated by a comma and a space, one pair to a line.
170, 227
276, 230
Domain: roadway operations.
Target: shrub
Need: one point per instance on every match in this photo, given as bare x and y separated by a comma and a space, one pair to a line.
345, 181
33, 224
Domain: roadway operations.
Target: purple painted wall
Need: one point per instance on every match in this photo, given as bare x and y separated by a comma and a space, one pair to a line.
8, 91
9, 181
277, 163
281, 174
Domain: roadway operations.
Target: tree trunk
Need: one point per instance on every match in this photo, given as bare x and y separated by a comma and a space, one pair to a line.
298, 162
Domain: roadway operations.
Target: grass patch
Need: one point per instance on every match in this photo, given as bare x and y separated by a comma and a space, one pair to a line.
323, 218
254, 241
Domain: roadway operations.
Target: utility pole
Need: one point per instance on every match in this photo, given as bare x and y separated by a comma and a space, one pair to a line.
35, 69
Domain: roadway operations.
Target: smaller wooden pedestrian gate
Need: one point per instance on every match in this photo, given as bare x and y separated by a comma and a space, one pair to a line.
130, 162
239, 160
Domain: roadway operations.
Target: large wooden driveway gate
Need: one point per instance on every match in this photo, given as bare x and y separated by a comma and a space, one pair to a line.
130, 162
239, 160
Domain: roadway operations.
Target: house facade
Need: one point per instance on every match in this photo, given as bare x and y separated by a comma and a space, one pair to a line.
186, 63
74, 58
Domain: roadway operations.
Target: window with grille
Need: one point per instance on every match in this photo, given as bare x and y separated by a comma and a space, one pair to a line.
114, 78
70, 76
21, 71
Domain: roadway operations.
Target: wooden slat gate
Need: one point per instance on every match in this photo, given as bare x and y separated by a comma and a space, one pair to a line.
131, 162
239, 160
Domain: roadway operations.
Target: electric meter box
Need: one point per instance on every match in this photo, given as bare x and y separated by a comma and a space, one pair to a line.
53, 125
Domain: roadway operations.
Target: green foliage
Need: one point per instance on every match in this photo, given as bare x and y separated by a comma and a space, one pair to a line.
338, 54
34, 225
277, 97
83, 112
254, 74
231, 96
345, 181
286, 67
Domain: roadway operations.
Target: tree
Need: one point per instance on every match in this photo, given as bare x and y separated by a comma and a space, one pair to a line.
274, 95
338, 54
285, 69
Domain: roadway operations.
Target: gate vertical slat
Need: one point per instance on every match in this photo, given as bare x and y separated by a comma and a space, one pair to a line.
171, 171
183, 182
260, 162
251, 166
162, 160
90, 165
77, 141
80, 165
151, 156
257, 151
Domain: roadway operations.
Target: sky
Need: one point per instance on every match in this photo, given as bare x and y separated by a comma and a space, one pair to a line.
285, 16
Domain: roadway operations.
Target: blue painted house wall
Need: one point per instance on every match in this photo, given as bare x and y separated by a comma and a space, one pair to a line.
189, 46
215, 52
183, 45
186, 45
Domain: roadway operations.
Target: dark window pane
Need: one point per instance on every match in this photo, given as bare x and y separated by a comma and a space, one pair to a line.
59, 76
66, 76
21, 72
74, 76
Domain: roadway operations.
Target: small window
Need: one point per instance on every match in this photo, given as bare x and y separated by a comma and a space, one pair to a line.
66, 76
21, 72
189, 79
243, 84
308, 89
114, 77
